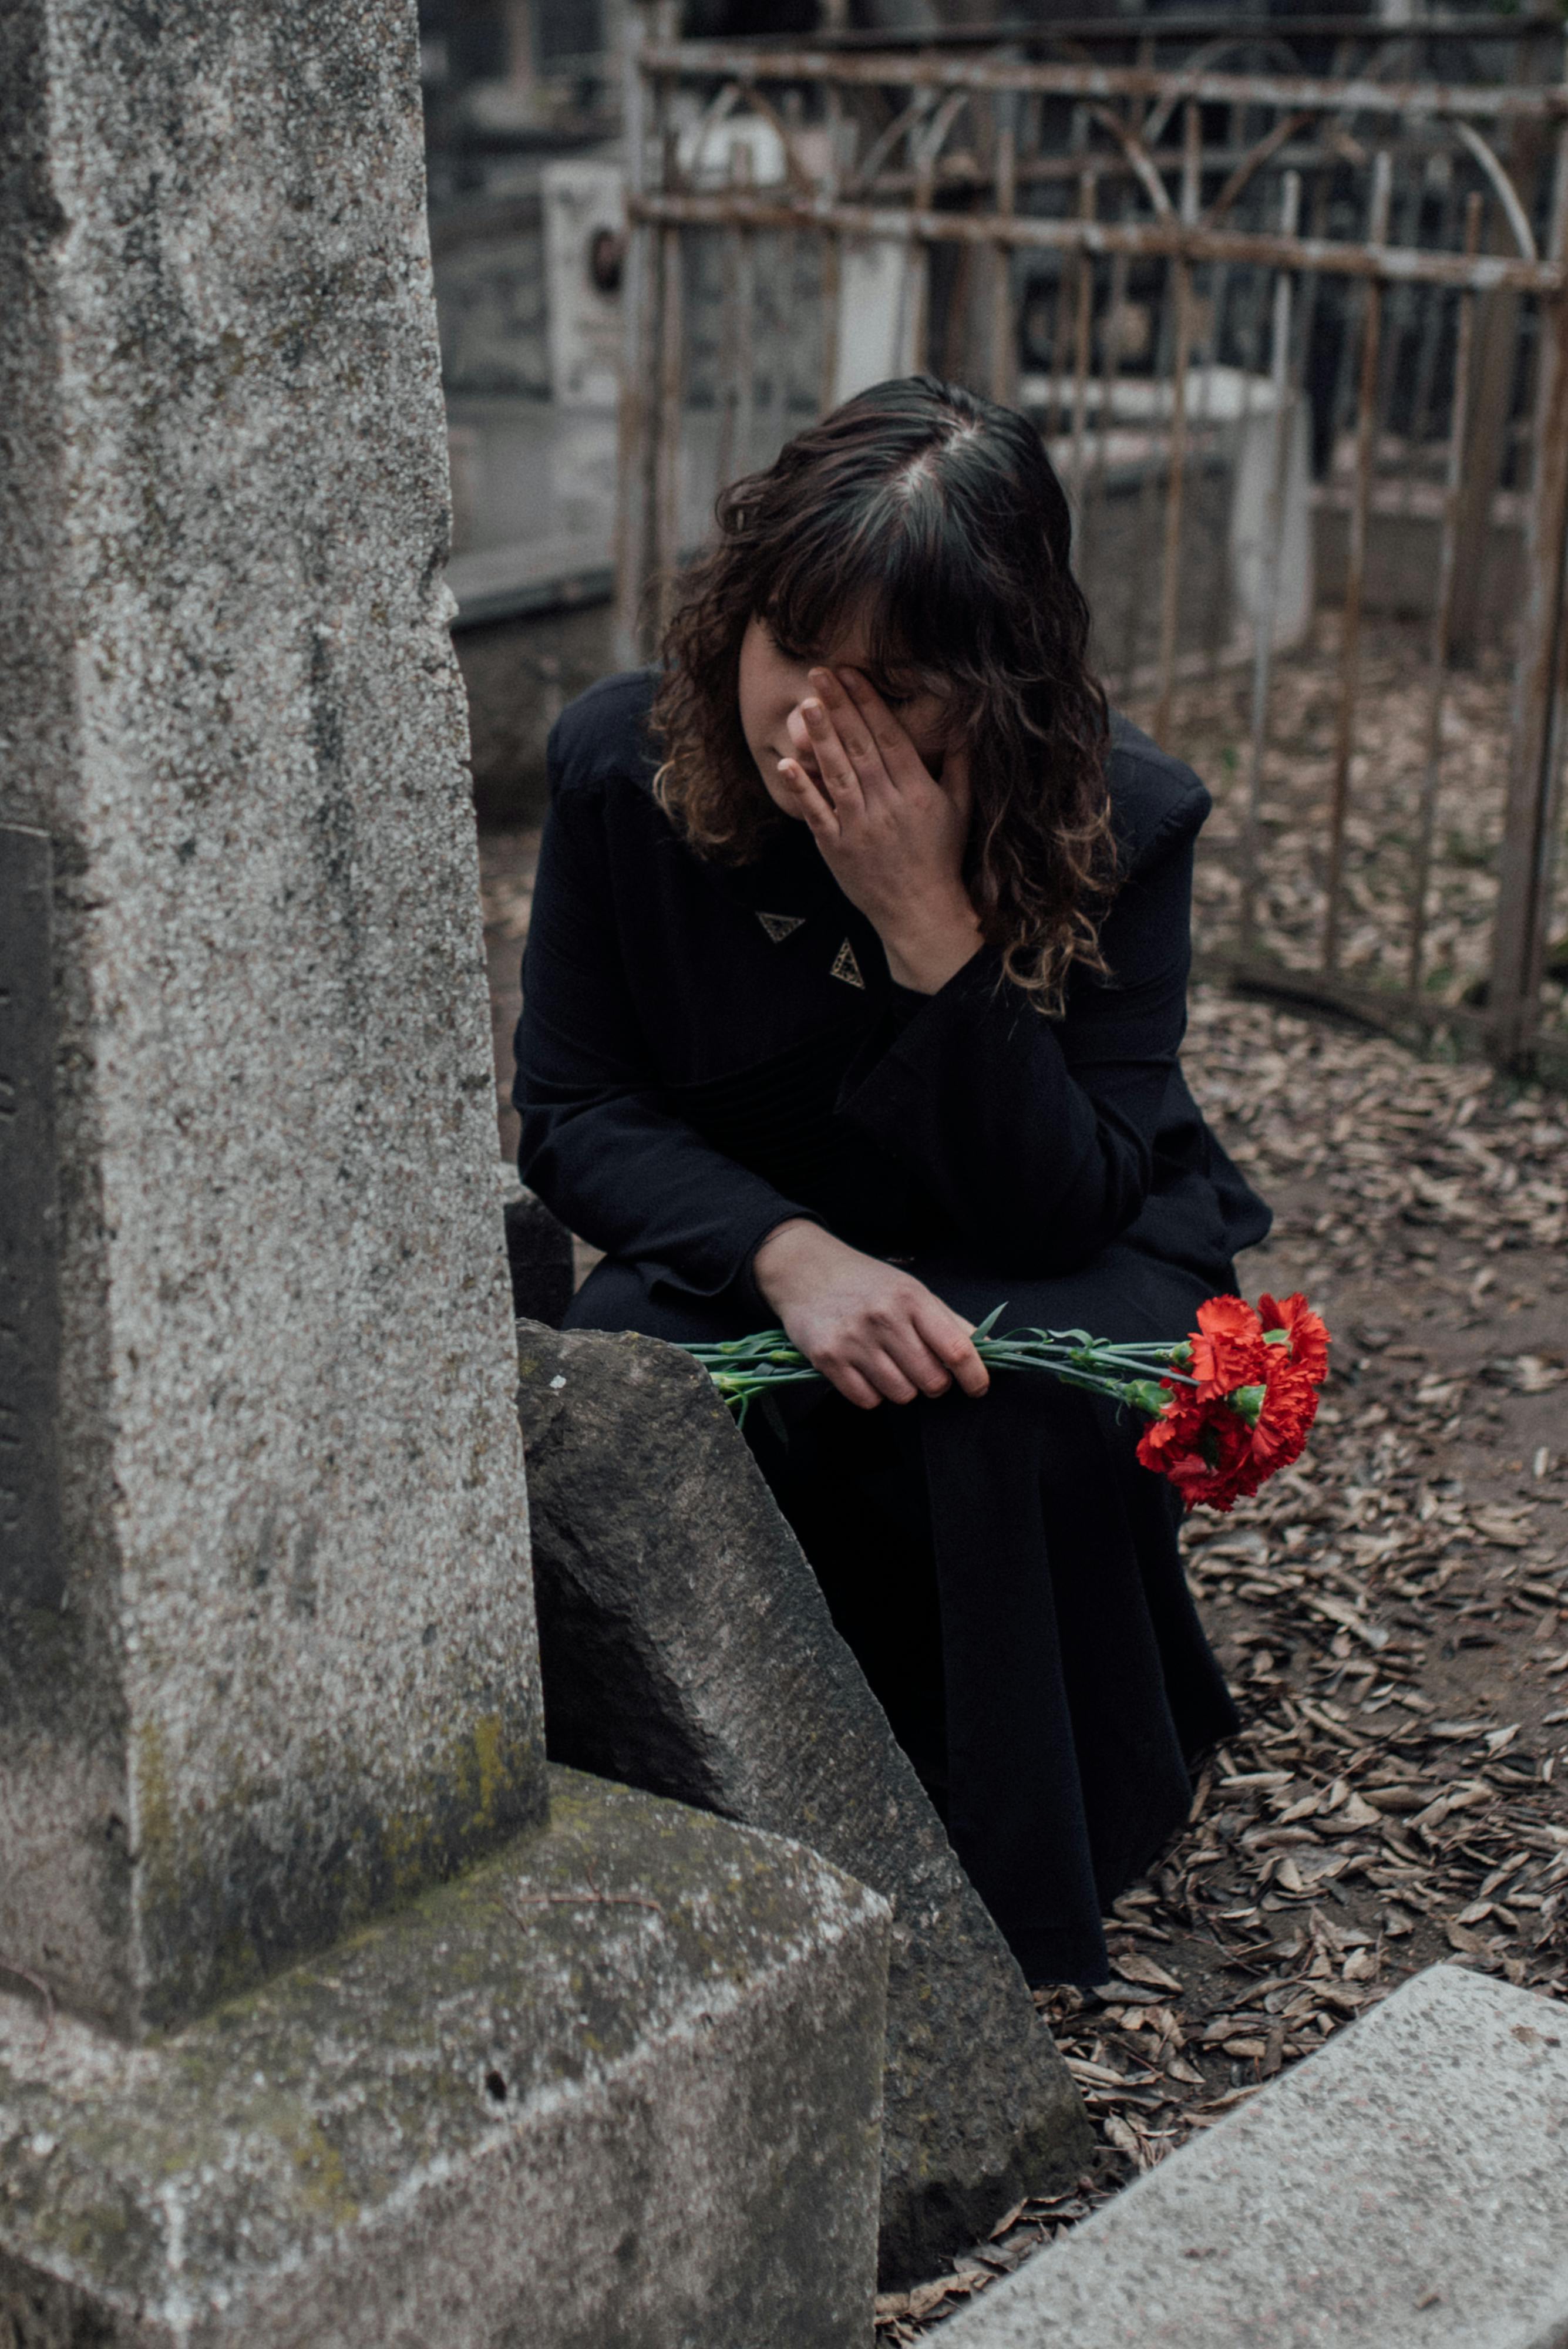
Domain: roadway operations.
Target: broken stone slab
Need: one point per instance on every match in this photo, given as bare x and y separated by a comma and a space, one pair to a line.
1405, 2189
686, 1648
617, 2084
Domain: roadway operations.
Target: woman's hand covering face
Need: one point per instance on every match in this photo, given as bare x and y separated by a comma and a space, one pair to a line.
892, 835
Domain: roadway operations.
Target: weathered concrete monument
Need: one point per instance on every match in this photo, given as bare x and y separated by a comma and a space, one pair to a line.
332, 2014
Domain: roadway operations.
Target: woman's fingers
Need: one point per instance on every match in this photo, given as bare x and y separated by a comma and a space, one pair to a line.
914, 1354
867, 1378
918, 1360
853, 1385
890, 1377
833, 765
842, 722
908, 1365
812, 802
889, 742
951, 1342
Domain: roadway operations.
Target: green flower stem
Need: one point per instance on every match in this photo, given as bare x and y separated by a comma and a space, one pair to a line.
744, 1368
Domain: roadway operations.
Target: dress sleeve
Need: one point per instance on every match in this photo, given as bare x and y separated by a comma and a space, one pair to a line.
599, 1145
1036, 1136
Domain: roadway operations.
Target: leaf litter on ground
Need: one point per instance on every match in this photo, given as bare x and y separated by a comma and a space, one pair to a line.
1382, 1808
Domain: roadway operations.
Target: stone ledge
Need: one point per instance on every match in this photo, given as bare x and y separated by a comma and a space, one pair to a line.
1406, 2189
621, 2085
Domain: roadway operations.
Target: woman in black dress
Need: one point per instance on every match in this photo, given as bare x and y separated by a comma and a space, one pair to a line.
853, 1000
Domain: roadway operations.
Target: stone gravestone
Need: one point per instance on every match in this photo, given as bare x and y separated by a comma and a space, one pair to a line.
584, 208
326, 2029
688, 1648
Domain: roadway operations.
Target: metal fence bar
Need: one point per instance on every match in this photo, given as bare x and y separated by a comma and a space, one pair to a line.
1084, 311
727, 391
1003, 354
1176, 483
668, 434
1284, 423
1163, 239
832, 259
1370, 33
1355, 566
1459, 425
1519, 931
1416, 101
918, 264
745, 325
1207, 429
1176, 478
634, 422
1110, 376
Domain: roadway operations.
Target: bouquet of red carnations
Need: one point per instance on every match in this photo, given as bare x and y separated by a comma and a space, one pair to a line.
1227, 1406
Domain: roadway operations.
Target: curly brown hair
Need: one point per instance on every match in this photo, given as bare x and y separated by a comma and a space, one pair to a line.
938, 514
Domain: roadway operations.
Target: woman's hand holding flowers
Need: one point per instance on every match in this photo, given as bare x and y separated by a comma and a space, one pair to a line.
1227, 1407
875, 1332
890, 832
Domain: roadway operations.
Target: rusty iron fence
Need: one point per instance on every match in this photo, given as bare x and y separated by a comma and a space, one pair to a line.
1293, 324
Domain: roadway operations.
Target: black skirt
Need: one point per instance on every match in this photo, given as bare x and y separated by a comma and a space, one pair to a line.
1009, 1578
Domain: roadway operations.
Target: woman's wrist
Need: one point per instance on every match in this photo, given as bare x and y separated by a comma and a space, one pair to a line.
924, 953
787, 1256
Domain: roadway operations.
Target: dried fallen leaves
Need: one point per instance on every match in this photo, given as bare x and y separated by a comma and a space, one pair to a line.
1212, 728
902, 2315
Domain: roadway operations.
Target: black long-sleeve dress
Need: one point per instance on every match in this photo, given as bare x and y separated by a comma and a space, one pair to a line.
707, 1050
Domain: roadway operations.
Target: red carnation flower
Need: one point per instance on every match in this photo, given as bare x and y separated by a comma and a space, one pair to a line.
1254, 1399
1305, 1331
1203, 1446
1227, 1348
1287, 1410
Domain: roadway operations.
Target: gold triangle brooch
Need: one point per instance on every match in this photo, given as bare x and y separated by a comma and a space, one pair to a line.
780, 926
846, 967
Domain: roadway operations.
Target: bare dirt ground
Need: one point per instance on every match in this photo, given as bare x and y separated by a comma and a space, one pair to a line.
1393, 1613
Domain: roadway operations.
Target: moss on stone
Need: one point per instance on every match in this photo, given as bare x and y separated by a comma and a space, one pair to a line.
214, 1918
297, 2109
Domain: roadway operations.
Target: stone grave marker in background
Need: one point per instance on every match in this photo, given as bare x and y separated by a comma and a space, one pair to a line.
583, 207
323, 2032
